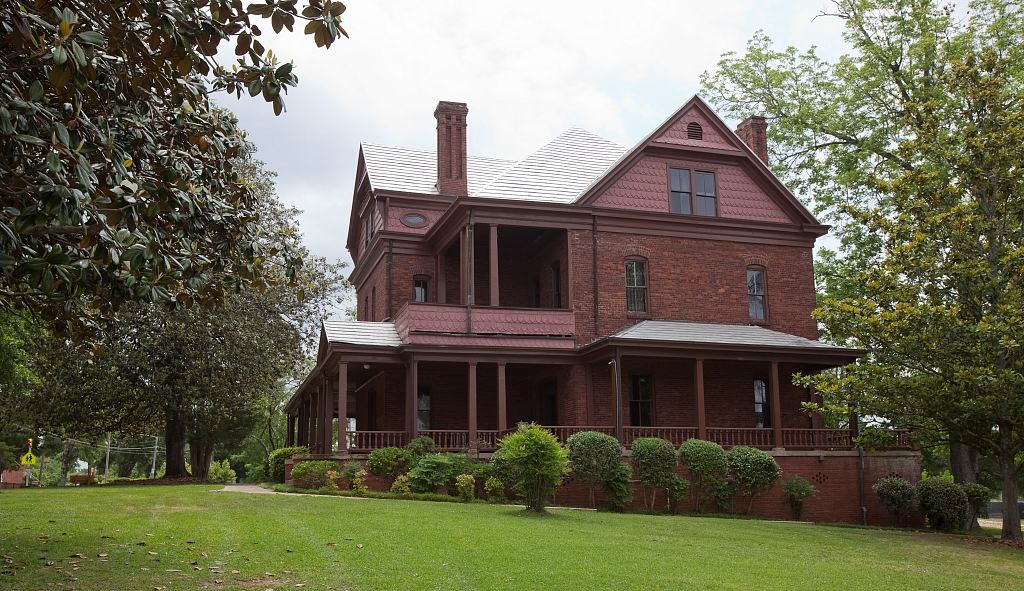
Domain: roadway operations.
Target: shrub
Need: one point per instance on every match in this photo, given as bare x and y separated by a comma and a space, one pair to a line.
494, 490
708, 465
533, 462
348, 473
435, 471
221, 473
678, 488
388, 462
313, 473
482, 471
943, 502
465, 484
655, 460
358, 485
594, 458
275, 462
978, 495
752, 471
897, 495
797, 491
401, 485
421, 446
619, 488
255, 473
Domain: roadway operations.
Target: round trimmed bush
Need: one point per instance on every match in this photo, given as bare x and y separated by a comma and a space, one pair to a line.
594, 458
533, 462
388, 462
978, 495
943, 502
655, 461
221, 472
277, 458
797, 490
465, 484
753, 471
313, 473
897, 495
708, 465
421, 446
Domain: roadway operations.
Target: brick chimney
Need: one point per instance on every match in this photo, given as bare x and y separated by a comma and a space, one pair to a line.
451, 148
754, 132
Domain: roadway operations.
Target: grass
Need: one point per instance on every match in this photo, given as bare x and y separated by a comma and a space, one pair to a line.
187, 537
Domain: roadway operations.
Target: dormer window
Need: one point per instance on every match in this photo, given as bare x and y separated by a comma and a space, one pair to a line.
692, 192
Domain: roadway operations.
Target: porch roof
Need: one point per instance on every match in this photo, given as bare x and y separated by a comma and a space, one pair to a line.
722, 336
374, 334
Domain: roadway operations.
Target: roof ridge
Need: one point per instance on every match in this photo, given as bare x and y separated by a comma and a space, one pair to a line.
424, 151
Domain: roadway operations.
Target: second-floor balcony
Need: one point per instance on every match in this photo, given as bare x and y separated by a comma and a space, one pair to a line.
421, 319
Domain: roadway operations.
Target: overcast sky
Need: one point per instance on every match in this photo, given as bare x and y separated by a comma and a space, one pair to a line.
528, 70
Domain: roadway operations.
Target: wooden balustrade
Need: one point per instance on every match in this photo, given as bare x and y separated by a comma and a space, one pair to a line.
369, 440
677, 435
487, 439
816, 439
448, 440
733, 436
562, 433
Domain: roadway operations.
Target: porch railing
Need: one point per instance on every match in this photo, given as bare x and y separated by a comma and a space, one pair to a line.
816, 439
732, 436
562, 432
368, 440
487, 439
448, 440
677, 435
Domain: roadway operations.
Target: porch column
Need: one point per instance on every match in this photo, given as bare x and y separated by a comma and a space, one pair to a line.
493, 268
342, 407
307, 435
290, 437
471, 406
411, 397
698, 387
442, 287
776, 409
617, 383
470, 266
502, 402
328, 418
318, 411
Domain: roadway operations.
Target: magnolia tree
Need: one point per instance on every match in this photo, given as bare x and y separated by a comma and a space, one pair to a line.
910, 144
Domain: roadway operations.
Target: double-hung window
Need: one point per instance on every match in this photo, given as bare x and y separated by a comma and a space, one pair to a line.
692, 191
636, 286
757, 294
762, 414
641, 401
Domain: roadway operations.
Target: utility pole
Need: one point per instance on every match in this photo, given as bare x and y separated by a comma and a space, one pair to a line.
152, 470
106, 465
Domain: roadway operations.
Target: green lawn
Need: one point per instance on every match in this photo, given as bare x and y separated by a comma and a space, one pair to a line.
186, 537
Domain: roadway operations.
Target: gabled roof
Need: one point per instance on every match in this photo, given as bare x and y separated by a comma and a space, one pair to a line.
392, 168
352, 332
704, 333
558, 172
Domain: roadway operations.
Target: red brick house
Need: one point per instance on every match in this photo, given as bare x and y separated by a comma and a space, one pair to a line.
660, 290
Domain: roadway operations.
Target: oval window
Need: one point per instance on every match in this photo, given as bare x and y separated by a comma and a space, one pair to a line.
414, 220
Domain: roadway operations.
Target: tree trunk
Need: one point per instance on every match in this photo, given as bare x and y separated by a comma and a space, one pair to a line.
1011, 511
125, 468
963, 463
175, 432
67, 457
201, 454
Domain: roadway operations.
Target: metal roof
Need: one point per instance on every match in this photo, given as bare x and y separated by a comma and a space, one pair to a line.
556, 173
353, 332
700, 333
393, 168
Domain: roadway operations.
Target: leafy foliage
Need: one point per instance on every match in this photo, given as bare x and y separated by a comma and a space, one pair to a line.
313, 473
897, 495
276, 460
655, 460
943, 502
708, 465
978, 495
797, 490
619, 487
221, 473
388, 462
435, 471
420, 447
532, 461
594, 457
349, 471
119, 181
752, 471
494, 489
676, 491
401, 485
465, 485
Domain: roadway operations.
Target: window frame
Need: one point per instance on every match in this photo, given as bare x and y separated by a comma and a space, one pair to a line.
426, 288
764, 296
423, 392
633, 381
556, 285
692, 172
765, 414
646, 312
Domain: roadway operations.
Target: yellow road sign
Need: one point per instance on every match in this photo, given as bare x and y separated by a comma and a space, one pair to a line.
29, 459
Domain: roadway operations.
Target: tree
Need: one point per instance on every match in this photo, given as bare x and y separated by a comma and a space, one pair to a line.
753, 471
533, 462
119, 176
595, 459
911, 145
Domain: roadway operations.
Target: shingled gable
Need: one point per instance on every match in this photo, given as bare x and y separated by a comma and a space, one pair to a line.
670, 139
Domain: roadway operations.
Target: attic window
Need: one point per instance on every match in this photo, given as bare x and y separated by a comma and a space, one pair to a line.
414, 220
694, 131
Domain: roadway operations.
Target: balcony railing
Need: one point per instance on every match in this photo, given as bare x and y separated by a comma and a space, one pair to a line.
448, 319
457, 440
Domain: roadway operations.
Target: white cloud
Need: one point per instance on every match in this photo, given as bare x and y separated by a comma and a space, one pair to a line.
528, 70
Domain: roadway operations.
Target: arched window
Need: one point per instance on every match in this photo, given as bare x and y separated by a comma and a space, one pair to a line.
694, 131
636, 285
757, 294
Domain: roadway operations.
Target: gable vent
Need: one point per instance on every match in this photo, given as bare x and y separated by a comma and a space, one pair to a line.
694, 131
